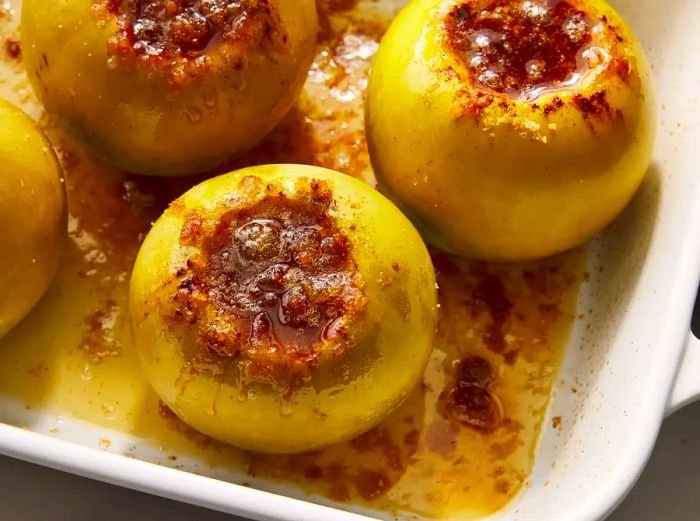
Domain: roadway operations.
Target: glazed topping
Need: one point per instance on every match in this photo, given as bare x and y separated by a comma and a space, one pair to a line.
187, 29
520, 48
470, 400
274, 283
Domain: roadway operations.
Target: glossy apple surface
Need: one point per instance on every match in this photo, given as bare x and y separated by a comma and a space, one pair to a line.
32, 215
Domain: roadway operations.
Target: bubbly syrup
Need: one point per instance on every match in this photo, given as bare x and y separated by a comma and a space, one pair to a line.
168, 28
279, 269
464, 442
521, 48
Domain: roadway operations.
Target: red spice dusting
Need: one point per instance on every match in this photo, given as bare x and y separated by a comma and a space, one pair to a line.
472, 103
622, 68
13, 49
553, 105
594, 106
274, 284
518, 48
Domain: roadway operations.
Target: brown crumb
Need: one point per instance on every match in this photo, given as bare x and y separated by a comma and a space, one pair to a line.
99, 340
595, 106
13, 49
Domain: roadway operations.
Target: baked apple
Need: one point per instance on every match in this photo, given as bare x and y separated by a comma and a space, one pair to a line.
32, 215
283, 308
168, 87
510, 130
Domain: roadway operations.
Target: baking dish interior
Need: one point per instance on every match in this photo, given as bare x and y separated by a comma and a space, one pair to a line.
635, 308
633, 313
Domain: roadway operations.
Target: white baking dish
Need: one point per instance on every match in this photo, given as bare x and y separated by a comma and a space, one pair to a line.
624, 355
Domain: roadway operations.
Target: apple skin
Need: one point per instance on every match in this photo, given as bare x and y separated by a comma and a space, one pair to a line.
32, 215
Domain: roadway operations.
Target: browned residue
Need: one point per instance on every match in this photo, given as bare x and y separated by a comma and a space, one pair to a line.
13, 49
273, 287
490, 293
373, 463
330, 6
469, 400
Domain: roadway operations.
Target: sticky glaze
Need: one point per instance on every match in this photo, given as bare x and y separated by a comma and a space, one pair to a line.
188, 27
181, 34
514, 47
272, 286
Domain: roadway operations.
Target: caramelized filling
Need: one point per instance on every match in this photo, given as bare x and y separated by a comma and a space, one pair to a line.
274, 284
169, 32
520, 48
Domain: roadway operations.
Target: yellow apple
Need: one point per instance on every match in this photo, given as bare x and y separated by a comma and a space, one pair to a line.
283, 308
165, 87
510, 130
32, 215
